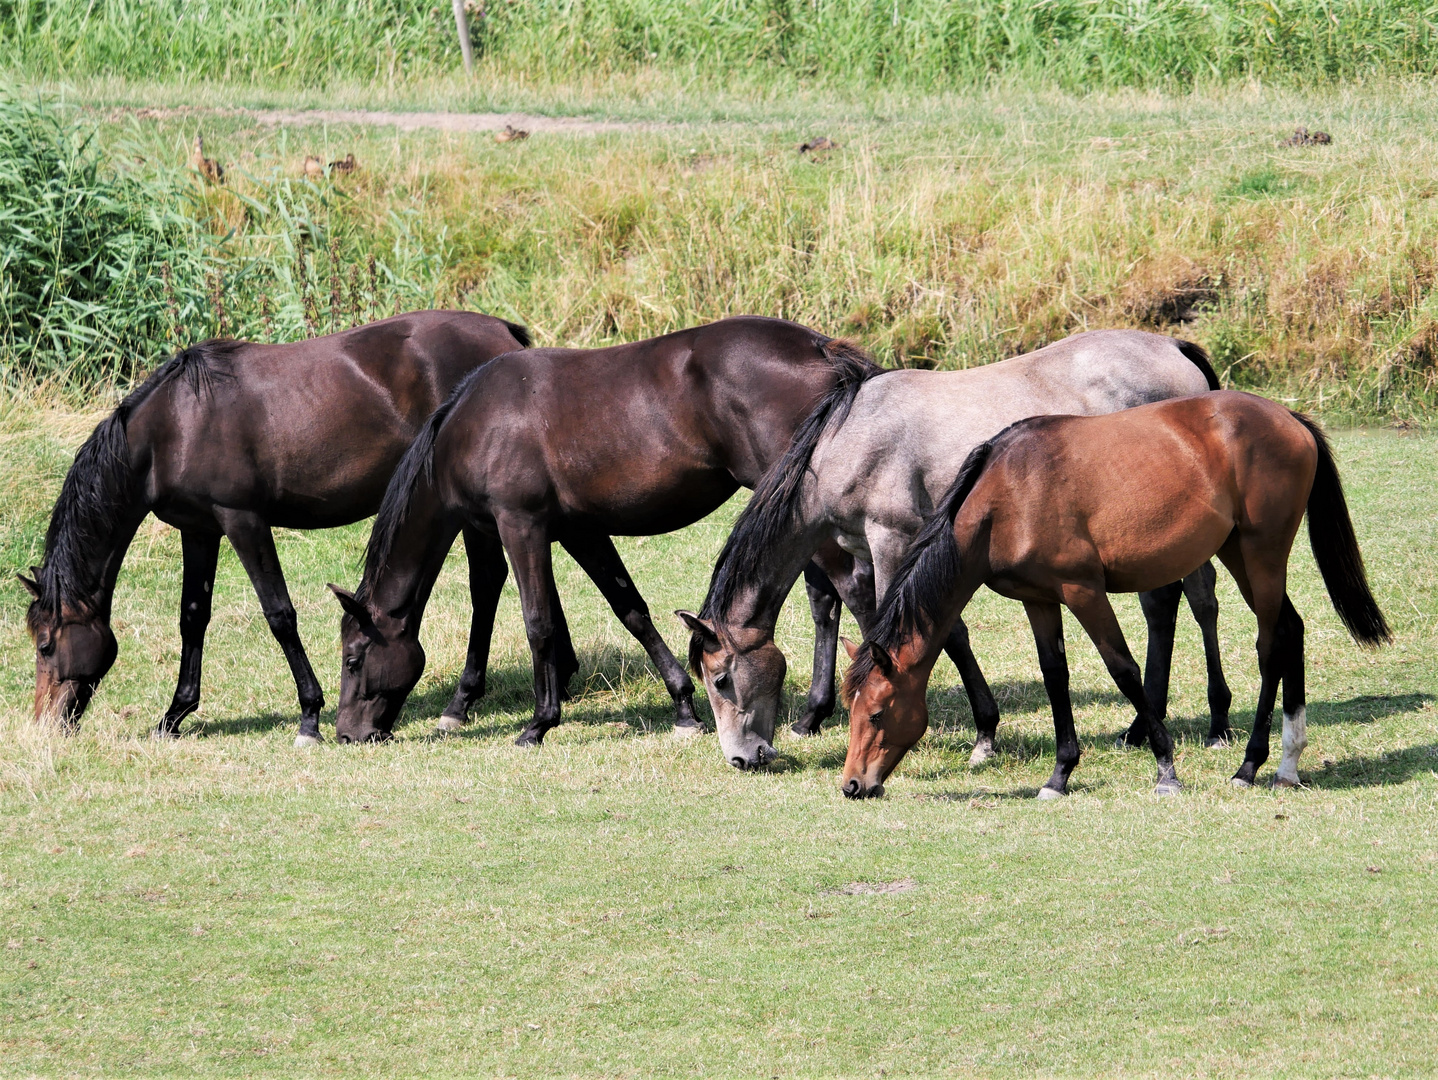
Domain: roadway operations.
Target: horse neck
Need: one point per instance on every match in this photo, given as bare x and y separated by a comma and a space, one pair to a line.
401, 587
759, 599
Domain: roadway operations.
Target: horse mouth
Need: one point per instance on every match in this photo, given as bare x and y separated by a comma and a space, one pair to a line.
856, 790
375, 736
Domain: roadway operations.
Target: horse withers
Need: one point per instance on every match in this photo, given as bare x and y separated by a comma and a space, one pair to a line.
227, 439
1064, 510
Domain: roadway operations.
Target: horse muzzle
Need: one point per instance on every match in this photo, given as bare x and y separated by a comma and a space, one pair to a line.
854, 788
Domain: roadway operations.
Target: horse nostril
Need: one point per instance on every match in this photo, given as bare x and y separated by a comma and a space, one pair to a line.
345, 738
738, 763
851, 789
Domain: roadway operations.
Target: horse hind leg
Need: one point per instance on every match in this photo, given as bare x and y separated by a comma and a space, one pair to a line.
527, 544
200, 551
1091, 607
598, 557
1200, 588
1264, 590
1295, 713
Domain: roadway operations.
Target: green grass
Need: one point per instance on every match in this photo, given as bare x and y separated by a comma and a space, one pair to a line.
623, 903
944, 233
777, 45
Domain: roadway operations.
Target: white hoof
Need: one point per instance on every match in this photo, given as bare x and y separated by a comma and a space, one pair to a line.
1165, 790
980, 755
449, 723
1046, 793
687, 731
1240, 784
304, 741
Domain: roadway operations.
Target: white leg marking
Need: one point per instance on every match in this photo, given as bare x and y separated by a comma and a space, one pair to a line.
1295, 738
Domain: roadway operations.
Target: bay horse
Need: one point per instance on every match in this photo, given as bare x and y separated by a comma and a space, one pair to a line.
865, 469
229, 438
574, 446
1065, 510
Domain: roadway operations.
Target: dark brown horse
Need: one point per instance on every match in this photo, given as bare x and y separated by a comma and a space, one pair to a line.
575, 446
1066, 509
229, 438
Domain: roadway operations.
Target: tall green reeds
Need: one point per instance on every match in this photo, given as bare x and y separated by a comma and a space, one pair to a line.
922, 44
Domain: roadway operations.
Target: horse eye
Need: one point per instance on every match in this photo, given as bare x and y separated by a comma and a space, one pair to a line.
721, 680
352, 663
46, 647
874, 718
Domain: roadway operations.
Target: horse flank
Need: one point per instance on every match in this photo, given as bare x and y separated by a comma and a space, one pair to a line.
101, 490
771, 510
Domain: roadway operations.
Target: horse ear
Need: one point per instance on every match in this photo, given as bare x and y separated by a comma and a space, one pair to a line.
850, 648
351, 604
703, 627
31, 586
882, 660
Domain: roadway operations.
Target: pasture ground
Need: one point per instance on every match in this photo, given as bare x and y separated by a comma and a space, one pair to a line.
623, 903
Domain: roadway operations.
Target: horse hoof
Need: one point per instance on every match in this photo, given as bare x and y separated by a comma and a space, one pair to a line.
448, 723
806, 728
1240, 783
1167, 788
304, 741
688, 731
1285, 782
1047, 793
1213, 742
980, 755
160, 734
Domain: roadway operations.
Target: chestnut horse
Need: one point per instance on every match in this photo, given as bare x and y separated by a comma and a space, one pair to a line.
229, 438
1066, 509
574, 446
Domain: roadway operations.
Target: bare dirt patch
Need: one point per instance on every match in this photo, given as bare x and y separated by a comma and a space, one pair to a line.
404, 121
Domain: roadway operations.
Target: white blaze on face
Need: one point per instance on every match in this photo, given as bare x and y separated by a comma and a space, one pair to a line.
1295, 738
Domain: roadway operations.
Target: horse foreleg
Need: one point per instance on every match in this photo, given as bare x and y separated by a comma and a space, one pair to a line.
487, 571
1160, 612
253, 542
527, 544
1046, 620
981, 698
1091, 607
824, 607
596, 555
1200, 587
200, 551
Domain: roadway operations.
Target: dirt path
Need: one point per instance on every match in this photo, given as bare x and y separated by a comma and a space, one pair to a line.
408, 121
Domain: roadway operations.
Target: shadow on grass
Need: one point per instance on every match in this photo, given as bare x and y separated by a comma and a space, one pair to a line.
1381, 770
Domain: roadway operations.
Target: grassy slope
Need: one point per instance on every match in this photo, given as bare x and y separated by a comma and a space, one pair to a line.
622, 903
947, 231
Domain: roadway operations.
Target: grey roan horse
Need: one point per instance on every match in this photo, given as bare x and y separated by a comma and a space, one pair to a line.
229, 438
865, 470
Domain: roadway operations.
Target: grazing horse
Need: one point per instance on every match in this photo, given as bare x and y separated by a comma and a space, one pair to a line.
229, 438
1067, 509
575, 446
866, 468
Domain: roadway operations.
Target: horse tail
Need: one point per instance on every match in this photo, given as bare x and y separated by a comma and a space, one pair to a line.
1335, 548
416, 466
519, 333
775, 503
1199, 359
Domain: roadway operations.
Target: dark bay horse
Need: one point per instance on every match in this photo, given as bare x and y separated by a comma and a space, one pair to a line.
1065, 510
574, 446
865, 470
230, 438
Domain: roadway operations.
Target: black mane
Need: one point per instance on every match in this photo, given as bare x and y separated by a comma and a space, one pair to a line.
101, 491
930, 568
417, 464
771, 510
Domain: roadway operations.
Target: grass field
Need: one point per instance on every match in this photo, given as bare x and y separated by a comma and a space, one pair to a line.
623, 903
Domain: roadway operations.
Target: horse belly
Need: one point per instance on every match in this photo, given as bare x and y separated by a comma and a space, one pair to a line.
1159, 552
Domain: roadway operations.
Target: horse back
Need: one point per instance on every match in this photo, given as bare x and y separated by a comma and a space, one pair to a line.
308, 432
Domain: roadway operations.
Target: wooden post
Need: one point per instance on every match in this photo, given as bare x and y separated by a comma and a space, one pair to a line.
461, 23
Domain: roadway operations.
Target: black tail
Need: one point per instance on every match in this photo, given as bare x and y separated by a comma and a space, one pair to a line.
519, 333
1199, 358
775, 500
1335, 548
